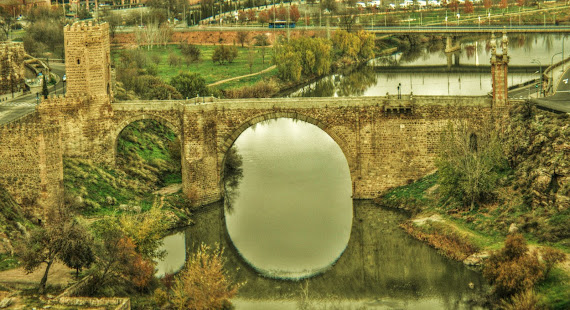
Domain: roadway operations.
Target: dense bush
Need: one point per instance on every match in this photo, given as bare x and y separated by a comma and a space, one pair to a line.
224, 53
260, 89
190, 85
513, 269
191, 52
203, 283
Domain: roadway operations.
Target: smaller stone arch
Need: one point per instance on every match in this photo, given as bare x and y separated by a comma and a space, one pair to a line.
144, 116
229, 140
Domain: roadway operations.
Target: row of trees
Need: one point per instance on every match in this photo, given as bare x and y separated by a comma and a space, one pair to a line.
309, 57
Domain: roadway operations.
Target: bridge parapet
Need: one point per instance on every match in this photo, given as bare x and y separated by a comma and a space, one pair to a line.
302, 103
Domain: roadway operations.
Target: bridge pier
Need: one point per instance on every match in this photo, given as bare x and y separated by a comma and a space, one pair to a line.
449, 46
499, 72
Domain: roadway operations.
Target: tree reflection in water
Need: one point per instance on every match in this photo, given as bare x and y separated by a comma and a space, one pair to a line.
232, 175
343, 85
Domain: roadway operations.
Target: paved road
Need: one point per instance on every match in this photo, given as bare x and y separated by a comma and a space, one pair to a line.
560, 101
23, 105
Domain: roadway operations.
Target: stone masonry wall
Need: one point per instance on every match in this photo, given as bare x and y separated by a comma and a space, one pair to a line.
84, 123
386, 142
31, 164
87, 59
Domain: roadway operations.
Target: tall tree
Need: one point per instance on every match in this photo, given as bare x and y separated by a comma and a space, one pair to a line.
468, 7
263, 41
45, 91
52, 242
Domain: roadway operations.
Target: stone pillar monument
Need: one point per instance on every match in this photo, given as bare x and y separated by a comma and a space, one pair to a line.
499, 71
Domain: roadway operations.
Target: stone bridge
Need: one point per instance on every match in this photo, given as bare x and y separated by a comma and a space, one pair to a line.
387, 141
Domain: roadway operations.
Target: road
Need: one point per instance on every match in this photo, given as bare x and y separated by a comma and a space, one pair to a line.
21, 106
560, 101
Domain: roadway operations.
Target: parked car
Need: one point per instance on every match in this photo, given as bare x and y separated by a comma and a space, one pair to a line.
375, 3
434, 3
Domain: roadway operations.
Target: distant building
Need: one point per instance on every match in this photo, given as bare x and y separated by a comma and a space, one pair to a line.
19, 6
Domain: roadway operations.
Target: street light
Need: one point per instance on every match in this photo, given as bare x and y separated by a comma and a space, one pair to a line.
552, 69
63, 79
536, 61
457, 19
399, 93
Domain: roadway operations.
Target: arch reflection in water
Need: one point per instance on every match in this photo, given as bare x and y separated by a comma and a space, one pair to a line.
291, 213
381, 268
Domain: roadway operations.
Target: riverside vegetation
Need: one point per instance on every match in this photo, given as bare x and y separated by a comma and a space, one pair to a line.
488, 187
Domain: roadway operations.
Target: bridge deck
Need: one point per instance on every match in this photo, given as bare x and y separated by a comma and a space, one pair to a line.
468, 29
198, 104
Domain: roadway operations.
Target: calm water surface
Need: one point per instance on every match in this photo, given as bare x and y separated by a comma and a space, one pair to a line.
291, 213
447, 74
291, 216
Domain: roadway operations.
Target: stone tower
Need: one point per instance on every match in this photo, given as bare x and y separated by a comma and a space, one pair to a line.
87, 59
499, 71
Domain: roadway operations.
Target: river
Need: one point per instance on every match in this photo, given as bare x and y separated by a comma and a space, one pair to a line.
428, 70
293, 233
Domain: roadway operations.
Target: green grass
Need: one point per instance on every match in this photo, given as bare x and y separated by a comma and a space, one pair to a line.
415, 190
212, 72
94, 183
556, 290
174, 178
8, 262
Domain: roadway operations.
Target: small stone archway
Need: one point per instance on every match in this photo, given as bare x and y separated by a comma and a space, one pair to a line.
140, 117
229, 140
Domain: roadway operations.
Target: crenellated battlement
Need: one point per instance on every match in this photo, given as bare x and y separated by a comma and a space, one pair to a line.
85, 27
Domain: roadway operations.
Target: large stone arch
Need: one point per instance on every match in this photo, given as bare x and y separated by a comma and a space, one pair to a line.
229, 140
140, 117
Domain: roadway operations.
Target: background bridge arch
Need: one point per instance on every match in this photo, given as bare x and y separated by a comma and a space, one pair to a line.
229, 139
122, 124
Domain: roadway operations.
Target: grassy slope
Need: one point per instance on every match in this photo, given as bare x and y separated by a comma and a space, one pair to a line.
145, 162
10, 214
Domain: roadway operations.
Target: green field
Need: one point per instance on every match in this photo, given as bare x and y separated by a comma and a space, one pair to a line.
212, 72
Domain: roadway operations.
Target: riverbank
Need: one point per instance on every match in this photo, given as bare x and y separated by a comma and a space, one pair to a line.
529, 200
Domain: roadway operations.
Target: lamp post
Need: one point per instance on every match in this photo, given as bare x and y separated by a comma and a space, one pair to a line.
458, 19
399, 93
552, 69
536, 61
63, 79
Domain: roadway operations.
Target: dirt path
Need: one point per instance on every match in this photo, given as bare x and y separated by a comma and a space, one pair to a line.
168, 190
242, 76
58, 274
